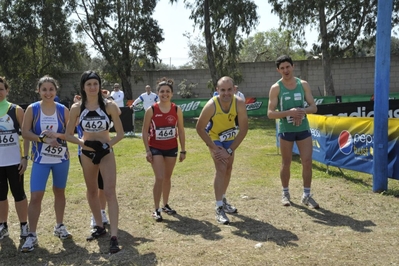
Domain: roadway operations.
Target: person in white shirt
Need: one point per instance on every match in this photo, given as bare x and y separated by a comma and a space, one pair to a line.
118, 95
236, 92
148, 98
239, 93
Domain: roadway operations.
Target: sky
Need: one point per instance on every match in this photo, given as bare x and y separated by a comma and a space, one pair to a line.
174, 20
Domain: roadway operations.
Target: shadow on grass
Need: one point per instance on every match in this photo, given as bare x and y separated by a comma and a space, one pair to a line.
328, 218
189, 226
335, 171
70, 254
128, 255
262, 232
8, 248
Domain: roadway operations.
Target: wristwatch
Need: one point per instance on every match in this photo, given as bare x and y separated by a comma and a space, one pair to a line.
229, 151
105, 146
42, 137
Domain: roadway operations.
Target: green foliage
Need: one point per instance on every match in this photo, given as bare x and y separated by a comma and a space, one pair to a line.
341, 25
196, 52
267, 46
186, 91
223, 23
124, 33
37, 39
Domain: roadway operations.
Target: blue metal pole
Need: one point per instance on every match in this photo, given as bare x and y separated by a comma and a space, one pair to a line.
381, 95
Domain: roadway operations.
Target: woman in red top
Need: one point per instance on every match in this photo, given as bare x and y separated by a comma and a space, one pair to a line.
162, 125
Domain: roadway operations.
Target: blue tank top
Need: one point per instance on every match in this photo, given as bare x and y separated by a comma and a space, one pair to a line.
43, 152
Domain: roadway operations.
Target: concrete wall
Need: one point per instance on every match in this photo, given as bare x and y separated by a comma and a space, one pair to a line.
351, 76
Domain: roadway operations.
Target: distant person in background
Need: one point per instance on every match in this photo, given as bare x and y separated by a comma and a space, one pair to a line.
56, 99
44, 124
148, 98
286, 103
13, 162
118, 95
239, 93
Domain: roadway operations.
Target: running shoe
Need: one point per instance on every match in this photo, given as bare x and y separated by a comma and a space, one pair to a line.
221, 216
285, 200
92, 222
157, 215
62, 232
228, 208
113, 245
30, 243
103, 218
24, 232
168, 210
96, 233
3, 231
310, 202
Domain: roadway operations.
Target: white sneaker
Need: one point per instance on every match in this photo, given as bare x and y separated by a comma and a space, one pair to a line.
104, 217
285, 200
30, 243
62, 232
24, 232
228, 208
92, 222
3, 231
310, 202
221, 216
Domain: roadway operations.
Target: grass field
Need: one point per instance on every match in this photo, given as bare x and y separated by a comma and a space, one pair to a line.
354, 226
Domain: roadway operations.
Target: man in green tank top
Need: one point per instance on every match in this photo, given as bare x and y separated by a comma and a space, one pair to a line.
286, 103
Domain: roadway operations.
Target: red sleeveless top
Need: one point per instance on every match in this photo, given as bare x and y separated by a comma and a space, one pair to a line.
163, 131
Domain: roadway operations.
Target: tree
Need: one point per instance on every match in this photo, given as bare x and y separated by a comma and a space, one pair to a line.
124, 33
341, 24
35, 40
222, 23
267, 46
196, 52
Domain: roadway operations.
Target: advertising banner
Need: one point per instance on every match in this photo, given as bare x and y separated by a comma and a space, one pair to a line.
357, 109
257, 106
193, 107
347, 142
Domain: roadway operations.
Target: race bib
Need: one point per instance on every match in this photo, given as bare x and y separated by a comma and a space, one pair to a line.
289, 119
94, 124
8, 138
53, 152
165, 133
228, 134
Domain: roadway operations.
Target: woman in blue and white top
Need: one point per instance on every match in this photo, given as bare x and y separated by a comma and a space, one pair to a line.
44, 125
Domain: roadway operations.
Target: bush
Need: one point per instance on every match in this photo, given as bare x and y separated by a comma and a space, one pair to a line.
186, 91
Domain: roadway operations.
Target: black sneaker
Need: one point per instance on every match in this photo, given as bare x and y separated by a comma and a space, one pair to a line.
96, 233
113, 245
168, 210
157, 215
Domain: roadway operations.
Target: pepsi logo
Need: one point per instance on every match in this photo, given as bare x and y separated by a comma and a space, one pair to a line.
345, 142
